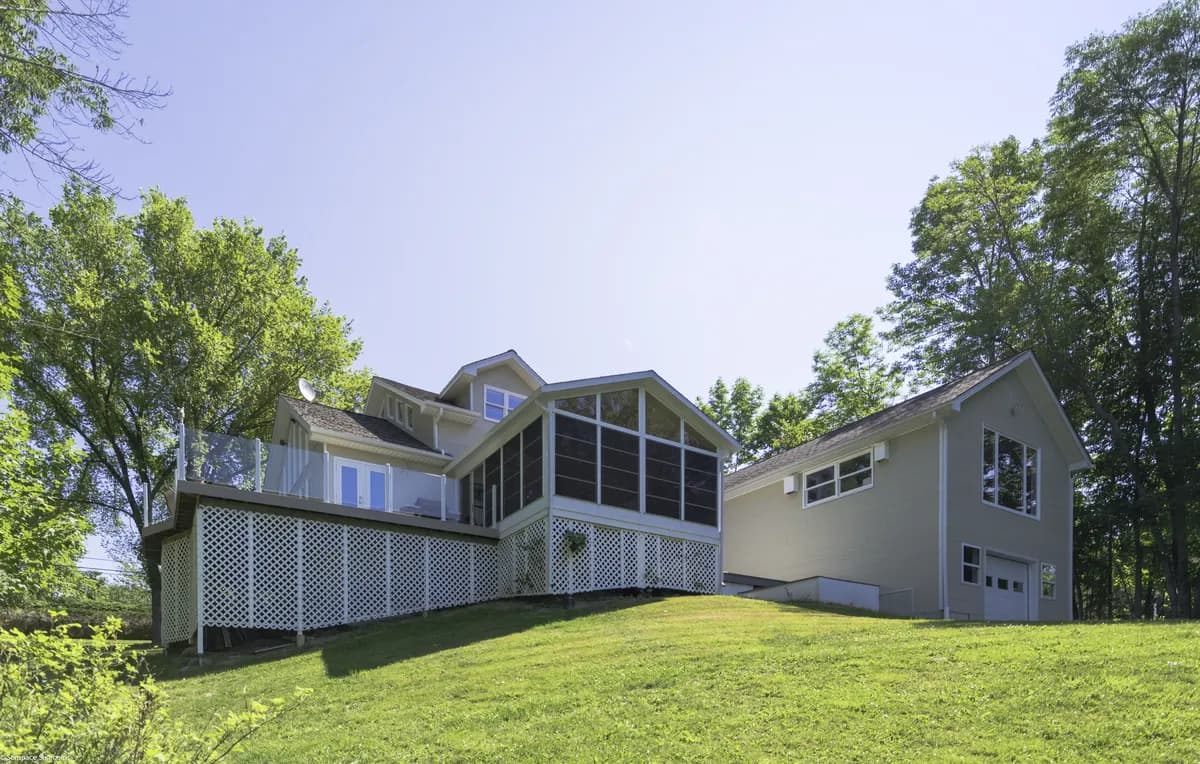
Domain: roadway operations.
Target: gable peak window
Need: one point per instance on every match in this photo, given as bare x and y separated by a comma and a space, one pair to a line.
498, 402
1010, 473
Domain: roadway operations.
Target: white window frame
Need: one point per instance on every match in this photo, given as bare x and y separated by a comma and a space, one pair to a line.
1024, 490
837, 479
508, 396
1053, 582
964, 565
408, 416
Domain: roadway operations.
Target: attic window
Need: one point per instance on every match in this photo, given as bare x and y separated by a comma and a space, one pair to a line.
498, 403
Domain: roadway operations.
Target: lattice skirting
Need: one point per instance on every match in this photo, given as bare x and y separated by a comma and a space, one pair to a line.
270, 571
178, 569
617, 558
522, 560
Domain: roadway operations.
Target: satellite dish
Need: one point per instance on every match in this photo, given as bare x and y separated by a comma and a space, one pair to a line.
307, 391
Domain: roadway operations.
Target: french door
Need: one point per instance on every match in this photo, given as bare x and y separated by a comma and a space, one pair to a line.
360, 484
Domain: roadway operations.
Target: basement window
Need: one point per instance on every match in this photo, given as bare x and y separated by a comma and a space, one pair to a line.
1049, 576
839, 479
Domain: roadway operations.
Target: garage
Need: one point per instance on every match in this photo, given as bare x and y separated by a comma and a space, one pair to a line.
1006, 589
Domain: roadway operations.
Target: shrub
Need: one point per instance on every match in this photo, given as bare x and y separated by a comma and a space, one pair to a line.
92, 700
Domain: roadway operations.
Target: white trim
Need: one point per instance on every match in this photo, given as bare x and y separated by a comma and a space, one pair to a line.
837, 479
984, 429
333, 438
602, 514
1070, 566
511, 357
963, 565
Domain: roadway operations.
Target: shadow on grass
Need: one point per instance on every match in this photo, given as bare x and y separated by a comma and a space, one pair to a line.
350, 649
447, 629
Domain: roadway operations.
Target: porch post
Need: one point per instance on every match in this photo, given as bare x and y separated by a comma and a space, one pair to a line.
389, 488
181, 452
326, 472
258, 476
443, 498
199, 581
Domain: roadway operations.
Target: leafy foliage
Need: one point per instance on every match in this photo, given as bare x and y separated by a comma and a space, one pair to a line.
736, 411
129, 320
91, 700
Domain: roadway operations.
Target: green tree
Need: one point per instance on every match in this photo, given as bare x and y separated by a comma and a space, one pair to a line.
852, 377
736, 411
46, 94
785, 422
129, 320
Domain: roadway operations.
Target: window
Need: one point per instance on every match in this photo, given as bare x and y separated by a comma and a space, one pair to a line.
660, 422
970, 564
619, 475
498, 403
1010, 473
1049, 576
574, 458
584, 405
620, 408
510, 460
693, 438
853, 474
700, 488
662, 479
531, 462
408, 416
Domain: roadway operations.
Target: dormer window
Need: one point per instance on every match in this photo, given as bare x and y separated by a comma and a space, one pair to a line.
399, 412
497, 403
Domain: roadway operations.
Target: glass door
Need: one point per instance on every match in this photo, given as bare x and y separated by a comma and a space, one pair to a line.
361, 484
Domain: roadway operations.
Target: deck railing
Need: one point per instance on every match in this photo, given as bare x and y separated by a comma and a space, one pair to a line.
251, 465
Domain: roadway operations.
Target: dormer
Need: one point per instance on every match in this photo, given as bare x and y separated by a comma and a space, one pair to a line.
493, 386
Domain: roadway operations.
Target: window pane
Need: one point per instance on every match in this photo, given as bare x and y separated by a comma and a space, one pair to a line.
1018, 586
855, 481
492, 395
660, 422
820, 492
584, 405
813, 479
1011, 473
378, 489
620, 408
349, 486
1049, 574
700, 491
694, 438
491, 487
514, 401
970, 555
574, 458
1002, 583
970, 574
989, 466
478, 514
662, 479
619, 476
510, 494
493, 413
1031, 460
856, 464
531, 446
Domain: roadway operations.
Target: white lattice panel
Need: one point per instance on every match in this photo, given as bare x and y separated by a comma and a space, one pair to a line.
408, 573
226, 543
613, 558
702, 567
487, 572
449, 573
522, 560
367, 573
178, 570
276, 544
324, 586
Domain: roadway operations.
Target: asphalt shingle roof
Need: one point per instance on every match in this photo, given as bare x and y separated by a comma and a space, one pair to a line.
924, 403
416, 392
358, 425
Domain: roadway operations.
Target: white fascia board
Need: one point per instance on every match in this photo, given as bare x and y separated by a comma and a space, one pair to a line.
690, 411
864, 442
332, 437
1064, 423
426, 406
510, 357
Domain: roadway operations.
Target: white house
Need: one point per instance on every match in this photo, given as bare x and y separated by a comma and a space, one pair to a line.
434, 499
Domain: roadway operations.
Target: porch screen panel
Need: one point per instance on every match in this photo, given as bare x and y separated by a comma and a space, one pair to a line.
619, 474
531, 450
700, 491
510, 493
491, 487
574, 458
662, 479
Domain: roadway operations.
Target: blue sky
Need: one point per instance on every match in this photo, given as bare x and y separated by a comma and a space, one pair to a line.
702, 189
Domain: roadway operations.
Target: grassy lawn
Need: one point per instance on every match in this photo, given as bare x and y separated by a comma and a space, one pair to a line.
719, 678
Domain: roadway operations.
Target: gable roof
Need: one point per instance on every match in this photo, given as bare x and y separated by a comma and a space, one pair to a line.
509, 357
412, 390
952, 395
355, 425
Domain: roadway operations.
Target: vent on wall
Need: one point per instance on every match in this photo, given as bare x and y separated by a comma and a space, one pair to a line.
881, 451
791, 484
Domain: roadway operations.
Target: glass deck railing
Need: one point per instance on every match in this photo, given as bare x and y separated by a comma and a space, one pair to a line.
251, 465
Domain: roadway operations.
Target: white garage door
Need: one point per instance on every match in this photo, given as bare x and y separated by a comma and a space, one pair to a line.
1006, 590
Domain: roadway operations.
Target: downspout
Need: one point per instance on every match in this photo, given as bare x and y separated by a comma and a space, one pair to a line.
943, 491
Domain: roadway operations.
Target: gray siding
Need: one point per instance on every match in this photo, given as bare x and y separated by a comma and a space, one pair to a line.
886, 535
457, 438
1006, 407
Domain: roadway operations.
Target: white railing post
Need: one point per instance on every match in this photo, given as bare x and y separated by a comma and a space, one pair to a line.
181, 453
199, 529
258, 475
327, 478
390, 490
443, 498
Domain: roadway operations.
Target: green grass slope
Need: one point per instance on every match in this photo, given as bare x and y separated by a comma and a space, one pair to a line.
719, 678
